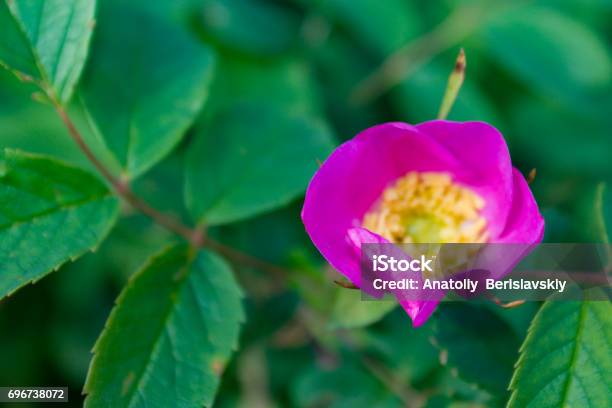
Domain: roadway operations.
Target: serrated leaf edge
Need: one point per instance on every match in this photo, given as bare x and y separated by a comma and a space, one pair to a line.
190, 257
108, 195
529, 338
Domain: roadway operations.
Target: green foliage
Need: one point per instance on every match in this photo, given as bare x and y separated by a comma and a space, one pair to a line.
591, 221
346, 385
380, 28
47, 41
284, 82
557, 129
267, 316
565, 359
181, 313
33, 127
256, 27
143, 88
15, 51
603, 211
49, 213
529, 40
351, 311
256, 165
480, 345
408, 352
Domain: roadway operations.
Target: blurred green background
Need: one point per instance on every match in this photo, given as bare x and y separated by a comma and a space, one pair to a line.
539, 71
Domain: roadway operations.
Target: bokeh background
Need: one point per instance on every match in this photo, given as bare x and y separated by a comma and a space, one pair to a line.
539, 71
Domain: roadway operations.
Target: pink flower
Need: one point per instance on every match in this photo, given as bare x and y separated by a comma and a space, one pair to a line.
439, 181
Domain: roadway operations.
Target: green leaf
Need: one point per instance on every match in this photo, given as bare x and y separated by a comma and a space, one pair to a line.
340, 65
47, 40
181, 12
15, 50
170, 335
565, 360
550, 51
249, 160
479, 344
283, 82
351, 311
252, 26
33, 127
49, 213
144, 87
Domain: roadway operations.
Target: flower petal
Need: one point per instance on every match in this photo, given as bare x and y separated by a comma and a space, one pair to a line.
357, 237
352, 179
525, 224
486, 166
418, 310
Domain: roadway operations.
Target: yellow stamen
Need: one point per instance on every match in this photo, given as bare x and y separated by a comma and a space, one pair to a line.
428, 208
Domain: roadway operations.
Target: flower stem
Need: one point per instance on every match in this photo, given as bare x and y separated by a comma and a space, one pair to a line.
194, 235
78, 139
121, 187
453, 86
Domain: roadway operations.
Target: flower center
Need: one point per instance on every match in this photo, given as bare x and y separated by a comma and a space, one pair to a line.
428, 208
